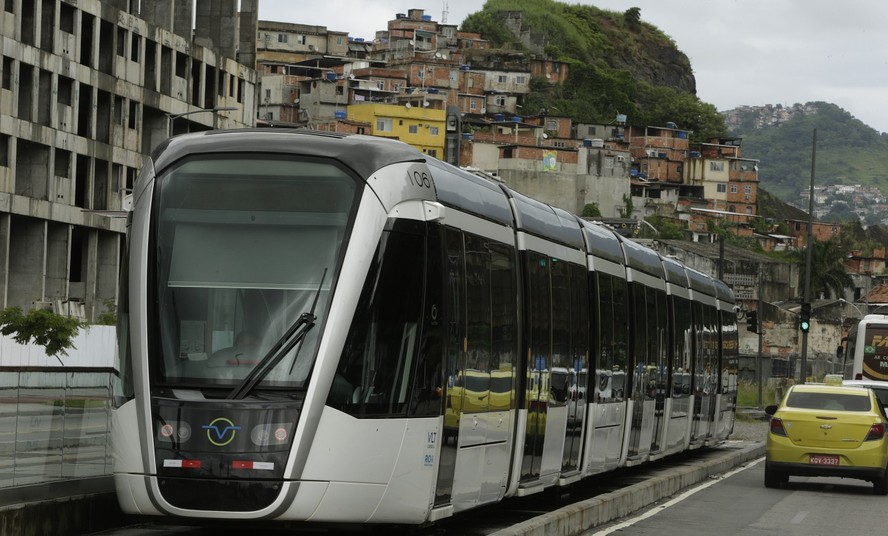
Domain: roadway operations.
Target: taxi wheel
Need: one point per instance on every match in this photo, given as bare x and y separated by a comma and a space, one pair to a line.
773, 479
880, 485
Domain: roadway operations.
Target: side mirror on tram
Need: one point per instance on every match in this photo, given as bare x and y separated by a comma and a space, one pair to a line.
771, 410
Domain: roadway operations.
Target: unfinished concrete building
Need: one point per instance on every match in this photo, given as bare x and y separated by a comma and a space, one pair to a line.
89, 87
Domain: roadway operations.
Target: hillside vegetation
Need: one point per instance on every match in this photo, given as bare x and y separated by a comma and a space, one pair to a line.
618, 64
848, 151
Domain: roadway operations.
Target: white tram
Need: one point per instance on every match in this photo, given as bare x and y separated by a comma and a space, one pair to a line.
337, 328
866, 357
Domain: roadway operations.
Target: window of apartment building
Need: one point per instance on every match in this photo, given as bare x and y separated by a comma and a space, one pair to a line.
267, 95
454, 75
4, 150
499, 100
433, 153
472, 104
396, 87
433, 131
380, 84
338, 39
133, 114
384, 124
301, 39
747, 190
556, 67
134, 47
66, 90
447, 32
413, 129
7, 72
551, 124
471, 82
282, 38
502, 79
716, 166
733, 188
121, 42
66, 17
721, 188
9, 6
732, 208
521, 79
590, 131
749, 210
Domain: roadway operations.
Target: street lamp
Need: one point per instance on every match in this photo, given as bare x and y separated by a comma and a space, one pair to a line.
172, 117
843, 300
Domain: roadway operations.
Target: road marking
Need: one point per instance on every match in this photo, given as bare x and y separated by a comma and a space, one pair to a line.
799, 518
672, 502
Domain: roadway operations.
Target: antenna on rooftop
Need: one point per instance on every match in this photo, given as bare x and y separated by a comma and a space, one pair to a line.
444, 14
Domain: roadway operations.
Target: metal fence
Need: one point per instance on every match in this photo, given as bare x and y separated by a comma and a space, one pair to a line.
54, 424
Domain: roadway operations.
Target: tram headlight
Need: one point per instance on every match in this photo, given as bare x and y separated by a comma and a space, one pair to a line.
174, 431
273, 434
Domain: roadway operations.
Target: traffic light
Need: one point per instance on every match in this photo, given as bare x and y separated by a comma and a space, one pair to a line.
752, 321
805, 318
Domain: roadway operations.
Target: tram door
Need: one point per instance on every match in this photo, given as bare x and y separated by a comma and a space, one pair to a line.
481, 317
704, 386
538, 336
557, 327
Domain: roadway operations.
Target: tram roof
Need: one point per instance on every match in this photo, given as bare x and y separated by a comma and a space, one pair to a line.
675, 272
540, 219
471, 193
602, 242
363, 154
642, 258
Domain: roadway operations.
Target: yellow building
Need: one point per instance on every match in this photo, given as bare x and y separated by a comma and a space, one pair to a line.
420, 127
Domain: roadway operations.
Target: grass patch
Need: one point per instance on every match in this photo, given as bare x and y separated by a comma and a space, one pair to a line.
747, 394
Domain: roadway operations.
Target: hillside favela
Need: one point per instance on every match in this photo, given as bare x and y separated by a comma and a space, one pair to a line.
590, 111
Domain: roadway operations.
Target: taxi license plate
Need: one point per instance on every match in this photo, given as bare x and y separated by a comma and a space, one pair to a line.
817, 459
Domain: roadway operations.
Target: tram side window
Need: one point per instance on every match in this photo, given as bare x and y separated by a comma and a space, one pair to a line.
561, 379
579, 339
503, 320
539, 329
730, 359
681, 348
478, 334
377, 360
611, 371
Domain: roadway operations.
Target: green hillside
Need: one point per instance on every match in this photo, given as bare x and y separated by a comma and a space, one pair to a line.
848, 151
618, 64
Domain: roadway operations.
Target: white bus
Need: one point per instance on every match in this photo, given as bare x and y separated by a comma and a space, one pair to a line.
866, 355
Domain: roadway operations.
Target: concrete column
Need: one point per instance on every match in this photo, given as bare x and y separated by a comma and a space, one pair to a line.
183, 11
248, 23
216, 26
159, 13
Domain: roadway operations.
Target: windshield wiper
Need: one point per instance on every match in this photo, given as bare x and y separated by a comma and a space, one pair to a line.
281, 348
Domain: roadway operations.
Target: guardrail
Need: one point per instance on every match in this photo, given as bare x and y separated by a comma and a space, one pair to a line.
54, 424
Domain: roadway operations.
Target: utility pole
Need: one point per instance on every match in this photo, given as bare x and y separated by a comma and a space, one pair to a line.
806, 299
760, 311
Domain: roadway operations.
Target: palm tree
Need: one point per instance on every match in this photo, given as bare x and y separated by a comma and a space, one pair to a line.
828, 275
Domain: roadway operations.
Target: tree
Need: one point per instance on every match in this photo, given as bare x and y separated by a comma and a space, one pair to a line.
54, 332
828, 275
627, 212
591, 210
632, 18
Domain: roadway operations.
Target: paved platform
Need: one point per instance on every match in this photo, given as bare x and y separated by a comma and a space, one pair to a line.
582, 516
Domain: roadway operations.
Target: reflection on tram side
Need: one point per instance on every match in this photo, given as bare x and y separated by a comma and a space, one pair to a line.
336, 328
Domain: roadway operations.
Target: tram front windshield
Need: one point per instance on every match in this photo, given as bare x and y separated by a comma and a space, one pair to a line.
244, 246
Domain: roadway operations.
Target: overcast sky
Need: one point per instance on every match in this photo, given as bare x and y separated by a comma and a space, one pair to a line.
743, 52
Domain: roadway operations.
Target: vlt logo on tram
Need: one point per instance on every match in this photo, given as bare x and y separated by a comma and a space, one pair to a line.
220, 428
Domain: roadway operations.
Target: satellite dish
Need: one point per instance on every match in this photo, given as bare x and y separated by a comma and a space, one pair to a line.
439, 55
545, 136
407, 105
425, 103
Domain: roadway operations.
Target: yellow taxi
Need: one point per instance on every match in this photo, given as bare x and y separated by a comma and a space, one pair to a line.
826, 430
